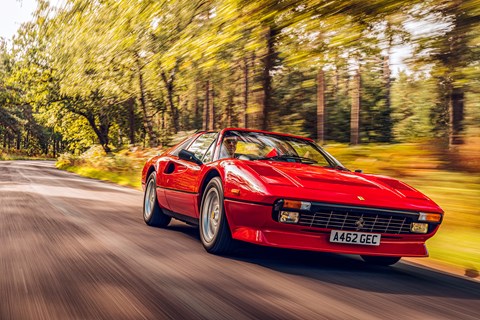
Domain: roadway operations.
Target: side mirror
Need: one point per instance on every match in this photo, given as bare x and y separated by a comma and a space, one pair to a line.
189, 156
359, 171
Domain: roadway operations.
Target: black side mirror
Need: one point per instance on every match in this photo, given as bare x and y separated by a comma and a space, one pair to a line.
189, 156
359, 171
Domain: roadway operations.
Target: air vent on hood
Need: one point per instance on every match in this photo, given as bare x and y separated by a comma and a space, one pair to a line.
266, 171
394, 184
271, 176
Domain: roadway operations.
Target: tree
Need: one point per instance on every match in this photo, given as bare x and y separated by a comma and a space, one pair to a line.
451, 50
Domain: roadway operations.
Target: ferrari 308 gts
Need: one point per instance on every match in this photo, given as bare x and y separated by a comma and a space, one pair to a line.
284, 191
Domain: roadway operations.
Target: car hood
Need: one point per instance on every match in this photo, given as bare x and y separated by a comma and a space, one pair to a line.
315, 183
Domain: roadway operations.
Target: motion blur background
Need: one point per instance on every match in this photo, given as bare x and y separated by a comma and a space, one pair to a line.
387, 86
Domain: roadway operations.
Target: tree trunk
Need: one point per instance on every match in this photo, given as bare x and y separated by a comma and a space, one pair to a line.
169, 85
101, 131
229, 111
147, 123
18, 145
387, 80
355, 112
54, 147
268, 64
196, 109
245, 92
386, 117
211, 112
457, 57
320, 106
206, 106
336, 84
131, 120
456, 114
173, 109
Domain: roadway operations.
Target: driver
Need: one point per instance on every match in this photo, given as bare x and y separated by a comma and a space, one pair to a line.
229, 146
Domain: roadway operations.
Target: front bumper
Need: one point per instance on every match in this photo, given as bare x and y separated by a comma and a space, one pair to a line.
251, 222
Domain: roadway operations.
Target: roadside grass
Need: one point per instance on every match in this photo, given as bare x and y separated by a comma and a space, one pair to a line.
420, 165
9, 156
124, 167
130, 179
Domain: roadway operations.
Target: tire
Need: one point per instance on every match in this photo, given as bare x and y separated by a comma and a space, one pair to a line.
381, 261
214, 230
152, 213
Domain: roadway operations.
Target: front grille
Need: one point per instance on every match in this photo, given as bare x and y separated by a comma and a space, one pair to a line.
362, 220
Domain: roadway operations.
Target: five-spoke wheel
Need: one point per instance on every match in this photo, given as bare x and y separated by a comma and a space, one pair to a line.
214, 230
152, 213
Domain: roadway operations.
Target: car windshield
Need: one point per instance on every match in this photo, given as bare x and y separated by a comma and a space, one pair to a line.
263, 146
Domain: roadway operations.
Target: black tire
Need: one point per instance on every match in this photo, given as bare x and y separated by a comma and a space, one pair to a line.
381, 261
214, 230
152, 213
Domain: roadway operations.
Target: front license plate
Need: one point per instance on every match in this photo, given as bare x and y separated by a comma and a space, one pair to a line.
369, 239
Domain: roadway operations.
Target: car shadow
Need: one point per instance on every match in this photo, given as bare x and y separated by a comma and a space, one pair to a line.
349, 270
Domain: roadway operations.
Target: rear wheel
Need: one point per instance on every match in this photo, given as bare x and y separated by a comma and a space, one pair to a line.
152, 213
214, 230
381, 261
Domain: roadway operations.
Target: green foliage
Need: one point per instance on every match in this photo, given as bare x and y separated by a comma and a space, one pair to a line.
117, 73
375, 115
414, 107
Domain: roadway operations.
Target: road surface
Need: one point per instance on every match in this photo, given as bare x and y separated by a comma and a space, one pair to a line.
77, 248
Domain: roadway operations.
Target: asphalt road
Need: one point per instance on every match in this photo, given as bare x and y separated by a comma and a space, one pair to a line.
76, 248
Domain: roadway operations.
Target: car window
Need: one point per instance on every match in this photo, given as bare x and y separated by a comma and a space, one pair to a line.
181, 146
308, 151
267, 146
200, 146
208, 157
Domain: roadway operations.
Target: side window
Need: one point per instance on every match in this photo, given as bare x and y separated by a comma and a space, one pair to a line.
199, 147
181, 146
208, 157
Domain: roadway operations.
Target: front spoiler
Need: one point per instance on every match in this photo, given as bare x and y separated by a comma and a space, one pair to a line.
251, 222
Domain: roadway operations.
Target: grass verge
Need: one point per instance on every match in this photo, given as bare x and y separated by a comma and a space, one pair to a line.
130, 179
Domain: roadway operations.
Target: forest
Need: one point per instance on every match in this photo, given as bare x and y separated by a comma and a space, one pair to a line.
121, 73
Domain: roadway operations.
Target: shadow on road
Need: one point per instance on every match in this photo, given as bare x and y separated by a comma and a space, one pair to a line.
349, 271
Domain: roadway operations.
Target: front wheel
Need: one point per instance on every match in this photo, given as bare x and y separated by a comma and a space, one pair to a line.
152, 213
214, 230
381, 261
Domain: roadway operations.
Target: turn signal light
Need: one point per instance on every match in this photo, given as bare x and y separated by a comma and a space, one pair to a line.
299, 205
430, 217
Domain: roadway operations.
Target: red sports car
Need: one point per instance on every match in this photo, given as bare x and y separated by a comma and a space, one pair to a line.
284, 191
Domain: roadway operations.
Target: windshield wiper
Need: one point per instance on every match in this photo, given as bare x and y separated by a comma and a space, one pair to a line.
341, 168
286, 157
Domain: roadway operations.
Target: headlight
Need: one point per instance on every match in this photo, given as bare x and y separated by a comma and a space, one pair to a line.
419, 227
288, 217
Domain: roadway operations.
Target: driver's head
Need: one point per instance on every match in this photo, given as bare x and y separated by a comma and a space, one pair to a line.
230, 144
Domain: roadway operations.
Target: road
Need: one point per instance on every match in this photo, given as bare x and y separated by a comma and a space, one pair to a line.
77, 248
